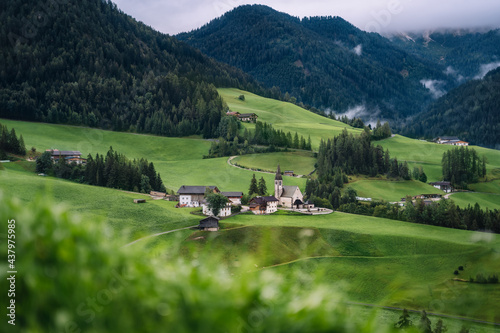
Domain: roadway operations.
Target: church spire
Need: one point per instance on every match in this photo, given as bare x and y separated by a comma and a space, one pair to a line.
278, 174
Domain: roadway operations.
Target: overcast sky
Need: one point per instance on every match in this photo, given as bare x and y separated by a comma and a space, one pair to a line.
172, 17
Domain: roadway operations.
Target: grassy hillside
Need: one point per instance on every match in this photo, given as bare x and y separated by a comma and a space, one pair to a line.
301, 162
285, 116
429, 155
93, 203
489, 187
391, 190
381, 261
485, 200
179, 160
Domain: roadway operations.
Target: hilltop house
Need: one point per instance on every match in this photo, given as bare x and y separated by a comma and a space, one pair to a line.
71, 156
211, 223
264, 205
288, 196
234, 197
248, 117
193, 196
443, 186
450, 140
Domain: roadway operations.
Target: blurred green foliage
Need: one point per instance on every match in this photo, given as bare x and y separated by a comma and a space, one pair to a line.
72, 278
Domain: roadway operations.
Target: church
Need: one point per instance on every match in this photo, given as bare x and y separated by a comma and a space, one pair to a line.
288, 196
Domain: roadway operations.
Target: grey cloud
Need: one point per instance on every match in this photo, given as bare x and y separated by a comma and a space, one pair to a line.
434, 86
484, 69
172, 17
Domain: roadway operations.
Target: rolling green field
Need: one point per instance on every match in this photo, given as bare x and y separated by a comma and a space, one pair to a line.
417, 153
391, 190
375, 260
300, 162
179, 160
285, 116
380, 261
97, 203
489, 187
429, 155
485, 200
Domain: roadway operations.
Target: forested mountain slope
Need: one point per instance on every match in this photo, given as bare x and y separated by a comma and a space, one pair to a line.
471, 112
465, 54
324, 62
88, 63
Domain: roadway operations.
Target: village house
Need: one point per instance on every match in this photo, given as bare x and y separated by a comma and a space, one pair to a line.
71, 156
443, 186
264, 205
224, 212
234, 114
248, 117
289, 173
193, 196
211, 223
288, 196
450, 140
234, 197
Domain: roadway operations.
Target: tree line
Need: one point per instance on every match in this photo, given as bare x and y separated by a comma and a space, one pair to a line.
232, 143
10, 143
462, 166
112, 170
424, 324
347, 154
93, 65
356, 155
443, 213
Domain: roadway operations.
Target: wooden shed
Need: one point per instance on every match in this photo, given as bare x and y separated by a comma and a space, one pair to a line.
138, 201
211, 223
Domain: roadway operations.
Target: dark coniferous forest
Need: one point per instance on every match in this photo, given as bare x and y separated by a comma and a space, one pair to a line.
324, 62
471, 112
88, 63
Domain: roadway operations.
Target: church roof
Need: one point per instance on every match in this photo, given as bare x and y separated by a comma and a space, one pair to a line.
278, 174
288, 191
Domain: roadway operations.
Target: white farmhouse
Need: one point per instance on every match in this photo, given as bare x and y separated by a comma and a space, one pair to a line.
193, 196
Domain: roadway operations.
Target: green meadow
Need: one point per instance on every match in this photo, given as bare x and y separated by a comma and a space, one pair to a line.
391, 190
94, 203
417, 153
489, 187
379, 261
179, 160
300, 162
285, 116
428, 155
373, 260
485, 200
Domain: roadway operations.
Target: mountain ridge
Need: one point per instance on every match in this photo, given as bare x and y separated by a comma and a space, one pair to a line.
91, 64
325, 62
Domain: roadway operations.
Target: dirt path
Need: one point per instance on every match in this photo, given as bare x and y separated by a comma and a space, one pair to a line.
158, 234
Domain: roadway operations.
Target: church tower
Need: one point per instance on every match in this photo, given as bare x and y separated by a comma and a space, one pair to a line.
278, 184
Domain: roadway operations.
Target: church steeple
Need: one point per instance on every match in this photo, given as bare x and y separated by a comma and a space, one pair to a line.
278, 174
278, 184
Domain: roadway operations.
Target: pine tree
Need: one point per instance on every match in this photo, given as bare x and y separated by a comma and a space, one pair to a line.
254, 189
440, 328
404, 320
262, 187
424, 323
22, 146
